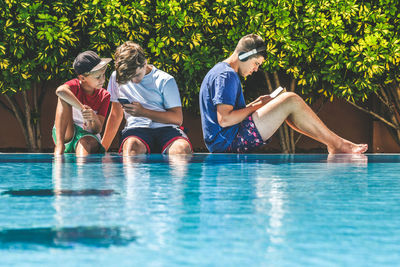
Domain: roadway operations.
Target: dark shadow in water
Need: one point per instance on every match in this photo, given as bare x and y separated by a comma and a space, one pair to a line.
51, 192
66, 237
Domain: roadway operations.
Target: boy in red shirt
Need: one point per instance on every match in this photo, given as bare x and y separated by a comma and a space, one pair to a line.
82, 107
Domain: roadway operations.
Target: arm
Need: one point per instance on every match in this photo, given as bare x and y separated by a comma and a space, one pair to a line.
227, 116
65, 93
171, 100
93, 122
112, 125
261, 100
172, 115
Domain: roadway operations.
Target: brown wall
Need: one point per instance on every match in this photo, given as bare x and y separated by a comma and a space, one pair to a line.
339, 116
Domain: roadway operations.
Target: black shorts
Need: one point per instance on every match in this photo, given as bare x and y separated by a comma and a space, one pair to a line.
156, 140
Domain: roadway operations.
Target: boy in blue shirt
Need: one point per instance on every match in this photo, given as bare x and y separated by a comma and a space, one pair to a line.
229, 125
149, 99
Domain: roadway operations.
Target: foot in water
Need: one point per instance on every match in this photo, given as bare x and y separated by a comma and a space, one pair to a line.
347, 147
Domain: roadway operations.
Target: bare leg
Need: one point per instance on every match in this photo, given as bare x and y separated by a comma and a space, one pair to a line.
64, 126
179, 164
293, 109
87, 145
179, 146
133, 146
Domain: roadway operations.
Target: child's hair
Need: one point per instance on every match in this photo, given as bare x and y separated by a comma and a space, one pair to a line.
250, 42
128, 58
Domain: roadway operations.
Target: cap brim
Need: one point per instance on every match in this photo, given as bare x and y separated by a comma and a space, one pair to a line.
103, 63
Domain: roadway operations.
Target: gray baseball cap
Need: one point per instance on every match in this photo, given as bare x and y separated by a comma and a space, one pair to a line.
89, 61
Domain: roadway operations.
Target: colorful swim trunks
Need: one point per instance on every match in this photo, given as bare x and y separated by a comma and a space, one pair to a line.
247, 139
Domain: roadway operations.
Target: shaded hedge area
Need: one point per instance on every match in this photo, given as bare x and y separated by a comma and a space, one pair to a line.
326, 48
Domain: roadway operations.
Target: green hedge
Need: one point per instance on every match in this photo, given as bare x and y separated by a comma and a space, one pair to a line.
342, 48
335, 47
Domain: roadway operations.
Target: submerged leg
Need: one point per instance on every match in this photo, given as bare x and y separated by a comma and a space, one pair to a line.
87, 145
179, 146
133, 146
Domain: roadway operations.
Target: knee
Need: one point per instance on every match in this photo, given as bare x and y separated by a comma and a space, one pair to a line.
292, 98
90, 144
290, 95
133, 146
180, 146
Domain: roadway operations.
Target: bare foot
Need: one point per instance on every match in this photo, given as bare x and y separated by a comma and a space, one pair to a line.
347, 147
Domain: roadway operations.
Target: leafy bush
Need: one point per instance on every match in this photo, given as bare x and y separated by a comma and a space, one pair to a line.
329, 48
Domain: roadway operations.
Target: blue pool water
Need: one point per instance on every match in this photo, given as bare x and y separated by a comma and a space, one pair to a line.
201, 210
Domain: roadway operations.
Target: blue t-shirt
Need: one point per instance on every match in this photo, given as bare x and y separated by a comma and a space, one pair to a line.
220, 86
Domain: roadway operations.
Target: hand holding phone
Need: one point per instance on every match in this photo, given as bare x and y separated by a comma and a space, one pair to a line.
277, 91
123, 101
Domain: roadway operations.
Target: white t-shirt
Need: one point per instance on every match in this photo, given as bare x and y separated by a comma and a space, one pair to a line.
157, 91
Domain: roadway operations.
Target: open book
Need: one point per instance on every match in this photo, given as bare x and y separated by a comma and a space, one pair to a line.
277, 91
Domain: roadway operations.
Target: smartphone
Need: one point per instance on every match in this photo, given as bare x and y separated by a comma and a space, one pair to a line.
277, 91
123, 101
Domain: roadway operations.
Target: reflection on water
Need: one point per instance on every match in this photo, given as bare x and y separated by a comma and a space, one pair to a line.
74, 179
272, 201
276, 200
179, 164
356, 159
67, 237
154, 185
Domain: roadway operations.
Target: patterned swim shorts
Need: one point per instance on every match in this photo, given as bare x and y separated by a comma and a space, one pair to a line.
247, 139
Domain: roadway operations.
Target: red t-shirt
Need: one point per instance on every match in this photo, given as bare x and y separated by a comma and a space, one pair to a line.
98, 101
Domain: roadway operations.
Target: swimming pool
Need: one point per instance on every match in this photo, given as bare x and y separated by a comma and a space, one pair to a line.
200, 210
